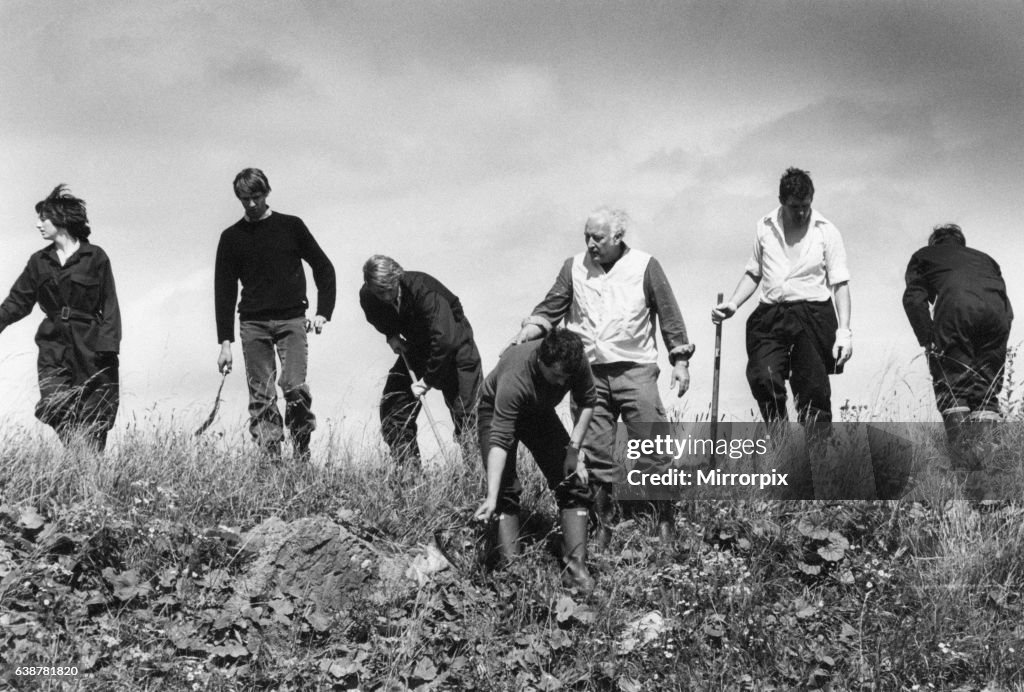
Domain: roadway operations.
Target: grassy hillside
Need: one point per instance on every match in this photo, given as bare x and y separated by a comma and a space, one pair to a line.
109, 564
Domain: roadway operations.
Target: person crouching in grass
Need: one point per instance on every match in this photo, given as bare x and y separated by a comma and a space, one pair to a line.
517, 404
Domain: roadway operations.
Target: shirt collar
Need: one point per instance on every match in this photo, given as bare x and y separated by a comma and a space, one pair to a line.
265, 216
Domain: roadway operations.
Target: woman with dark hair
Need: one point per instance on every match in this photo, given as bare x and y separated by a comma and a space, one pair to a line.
78, 341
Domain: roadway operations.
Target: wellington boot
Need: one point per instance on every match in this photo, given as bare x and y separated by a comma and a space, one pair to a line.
955, 421
603, 512
665, 511
574, 550
508, 536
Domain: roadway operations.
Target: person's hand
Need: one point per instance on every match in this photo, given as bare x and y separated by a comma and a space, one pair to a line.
419, 388
581, 471
316, 324
680, 380
397, 344
571, 461
723, 311
529, 332
843, 348
486, 509
224, 360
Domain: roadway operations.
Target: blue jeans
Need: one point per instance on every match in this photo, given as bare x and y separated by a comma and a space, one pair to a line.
260, 338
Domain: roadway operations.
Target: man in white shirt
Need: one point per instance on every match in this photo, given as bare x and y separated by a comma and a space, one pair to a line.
799, 262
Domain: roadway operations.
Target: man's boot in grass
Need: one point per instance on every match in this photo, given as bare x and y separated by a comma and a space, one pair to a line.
507, 530
300, 448
574, 549
603, 511
665, 512
954, 420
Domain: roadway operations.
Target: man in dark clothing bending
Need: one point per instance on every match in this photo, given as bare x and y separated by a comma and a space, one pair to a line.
967, 332
424, 324
517, 404
264, 251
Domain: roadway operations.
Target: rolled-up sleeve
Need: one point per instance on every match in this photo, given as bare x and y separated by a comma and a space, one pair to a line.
662, 302
836, 269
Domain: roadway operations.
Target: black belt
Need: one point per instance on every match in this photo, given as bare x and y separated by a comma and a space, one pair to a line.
69, 313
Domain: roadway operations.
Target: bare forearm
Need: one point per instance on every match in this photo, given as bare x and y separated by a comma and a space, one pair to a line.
842, 294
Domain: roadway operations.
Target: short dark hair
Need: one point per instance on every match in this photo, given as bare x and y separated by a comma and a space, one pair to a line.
797, 183
251, 181
562, 346
947, 232
65, 211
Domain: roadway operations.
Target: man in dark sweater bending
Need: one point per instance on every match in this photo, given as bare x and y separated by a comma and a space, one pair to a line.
264, 251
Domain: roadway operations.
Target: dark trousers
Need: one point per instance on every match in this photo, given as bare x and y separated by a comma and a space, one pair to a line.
460, 387
792, 341
79, 390
968, 370
544, 435
260, 340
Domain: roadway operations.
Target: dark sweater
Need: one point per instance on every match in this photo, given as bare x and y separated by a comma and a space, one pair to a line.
516, 390
266, 256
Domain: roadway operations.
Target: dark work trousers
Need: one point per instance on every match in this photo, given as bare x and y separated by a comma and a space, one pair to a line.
78, 387
967, 369
260, 340
792, 341
460, 388
544, 435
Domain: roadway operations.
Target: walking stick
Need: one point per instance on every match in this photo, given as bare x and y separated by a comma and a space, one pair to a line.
216, 407
718, 372
430, 416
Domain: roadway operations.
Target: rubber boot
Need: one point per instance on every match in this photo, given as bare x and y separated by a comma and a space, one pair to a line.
574, 549
955, 421
508, 536
300, 448
602, 512
665, 511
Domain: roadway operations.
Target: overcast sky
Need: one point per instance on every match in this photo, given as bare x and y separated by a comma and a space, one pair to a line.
471, 139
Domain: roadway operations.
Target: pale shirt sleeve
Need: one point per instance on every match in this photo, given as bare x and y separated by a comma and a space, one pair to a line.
754, 264
836, 271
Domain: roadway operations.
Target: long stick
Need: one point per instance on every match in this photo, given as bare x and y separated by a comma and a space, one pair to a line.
216, 407
430, 416
718, 372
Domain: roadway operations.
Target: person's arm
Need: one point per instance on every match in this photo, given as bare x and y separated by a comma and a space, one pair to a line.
550, 311
225, 290
21, 299
744, 289
443, 326
573, 463
916, 298
662, 302
109, 337
323, 276
842, 351
495, 468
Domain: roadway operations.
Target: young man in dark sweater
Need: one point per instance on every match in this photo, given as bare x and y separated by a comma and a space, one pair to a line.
264, 251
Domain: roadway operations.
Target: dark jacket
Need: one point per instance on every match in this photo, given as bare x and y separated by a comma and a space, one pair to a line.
961, 283
80, 303
266, 256
429, 317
